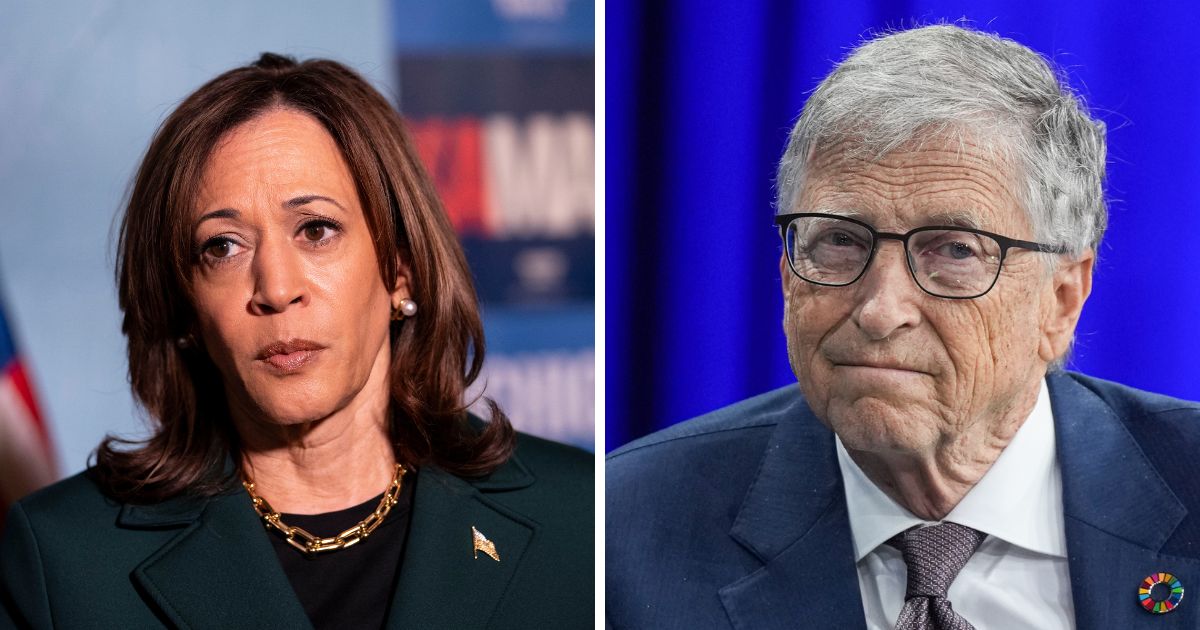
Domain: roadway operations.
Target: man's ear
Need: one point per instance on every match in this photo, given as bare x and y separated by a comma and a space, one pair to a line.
785, 277
1072, 284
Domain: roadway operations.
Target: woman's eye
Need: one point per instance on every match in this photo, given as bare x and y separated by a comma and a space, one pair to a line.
318, 231
219, 248
314, 232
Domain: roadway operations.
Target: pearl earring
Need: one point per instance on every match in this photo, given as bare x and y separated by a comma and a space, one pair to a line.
407, 308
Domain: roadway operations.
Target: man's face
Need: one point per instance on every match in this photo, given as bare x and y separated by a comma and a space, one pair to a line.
892, 369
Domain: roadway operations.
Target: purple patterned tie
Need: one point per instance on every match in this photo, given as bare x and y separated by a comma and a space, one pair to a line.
934, 556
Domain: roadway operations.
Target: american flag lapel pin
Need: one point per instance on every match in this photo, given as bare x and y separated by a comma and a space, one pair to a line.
483, 544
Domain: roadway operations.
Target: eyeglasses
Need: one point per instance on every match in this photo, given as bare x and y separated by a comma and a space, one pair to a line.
948, 262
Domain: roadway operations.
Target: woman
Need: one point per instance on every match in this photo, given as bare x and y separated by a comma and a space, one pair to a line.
301, 326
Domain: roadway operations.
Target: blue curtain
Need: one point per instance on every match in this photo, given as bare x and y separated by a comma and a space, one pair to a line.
699, 99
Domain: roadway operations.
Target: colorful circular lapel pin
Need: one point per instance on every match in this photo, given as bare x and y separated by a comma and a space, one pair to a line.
1160, 593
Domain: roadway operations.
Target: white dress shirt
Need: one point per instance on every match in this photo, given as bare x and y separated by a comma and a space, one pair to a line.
1018, 578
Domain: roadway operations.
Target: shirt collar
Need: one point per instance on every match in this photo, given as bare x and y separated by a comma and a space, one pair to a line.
1019, 499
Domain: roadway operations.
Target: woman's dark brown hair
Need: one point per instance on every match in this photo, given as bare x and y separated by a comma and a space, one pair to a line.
435, 355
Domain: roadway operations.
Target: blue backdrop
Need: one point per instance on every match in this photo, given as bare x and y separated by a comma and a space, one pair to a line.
700, 97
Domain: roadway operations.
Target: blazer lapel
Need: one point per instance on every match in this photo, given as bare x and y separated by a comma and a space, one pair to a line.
220, 571
443, 583
794, 521
1119, 512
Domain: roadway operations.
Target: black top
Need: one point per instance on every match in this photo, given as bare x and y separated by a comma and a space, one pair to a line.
352, 587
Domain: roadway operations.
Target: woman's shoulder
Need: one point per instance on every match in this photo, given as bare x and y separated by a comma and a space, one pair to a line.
554, 458
76, 512
546, 480
75, 499
536, 459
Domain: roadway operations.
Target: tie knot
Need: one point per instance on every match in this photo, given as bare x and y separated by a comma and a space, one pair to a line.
934, 556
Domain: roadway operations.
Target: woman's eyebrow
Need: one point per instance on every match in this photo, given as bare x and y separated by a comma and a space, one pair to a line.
296, 202
223, 213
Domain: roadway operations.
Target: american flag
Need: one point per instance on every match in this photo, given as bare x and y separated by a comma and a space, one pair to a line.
26, 456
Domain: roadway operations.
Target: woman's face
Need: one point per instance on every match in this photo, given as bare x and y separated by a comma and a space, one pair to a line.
289, 300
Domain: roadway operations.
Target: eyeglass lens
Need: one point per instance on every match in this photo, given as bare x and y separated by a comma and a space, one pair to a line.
947, 263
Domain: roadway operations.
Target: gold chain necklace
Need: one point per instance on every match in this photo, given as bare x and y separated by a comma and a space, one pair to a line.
312, 545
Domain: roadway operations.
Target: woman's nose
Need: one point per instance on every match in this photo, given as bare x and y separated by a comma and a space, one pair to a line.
279, 280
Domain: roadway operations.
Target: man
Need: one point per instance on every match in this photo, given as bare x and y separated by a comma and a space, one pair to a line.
940, 203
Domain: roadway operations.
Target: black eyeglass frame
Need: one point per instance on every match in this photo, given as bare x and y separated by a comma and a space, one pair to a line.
1006, 243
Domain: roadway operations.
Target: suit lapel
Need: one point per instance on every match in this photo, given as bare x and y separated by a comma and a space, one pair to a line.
794, 521
1119, 512
442, 583
220, 571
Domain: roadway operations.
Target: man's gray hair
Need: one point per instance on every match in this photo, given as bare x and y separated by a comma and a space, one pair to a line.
947, 81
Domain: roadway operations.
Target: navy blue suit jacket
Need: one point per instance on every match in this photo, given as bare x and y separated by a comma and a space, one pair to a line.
738, 518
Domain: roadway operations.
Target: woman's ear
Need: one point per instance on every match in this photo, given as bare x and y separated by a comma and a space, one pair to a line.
400, 290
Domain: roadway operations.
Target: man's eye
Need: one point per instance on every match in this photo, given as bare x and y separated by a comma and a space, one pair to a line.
840, 239
958, 250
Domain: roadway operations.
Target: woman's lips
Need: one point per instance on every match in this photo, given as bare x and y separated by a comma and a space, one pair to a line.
291, 361
289, 356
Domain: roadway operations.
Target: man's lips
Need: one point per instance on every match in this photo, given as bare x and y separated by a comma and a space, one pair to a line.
875, 363
289, 356
877, 366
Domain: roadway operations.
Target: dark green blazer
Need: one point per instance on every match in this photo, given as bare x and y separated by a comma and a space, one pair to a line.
73, 558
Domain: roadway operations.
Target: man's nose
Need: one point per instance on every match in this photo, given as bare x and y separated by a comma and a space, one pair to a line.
279, 279
888, 297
